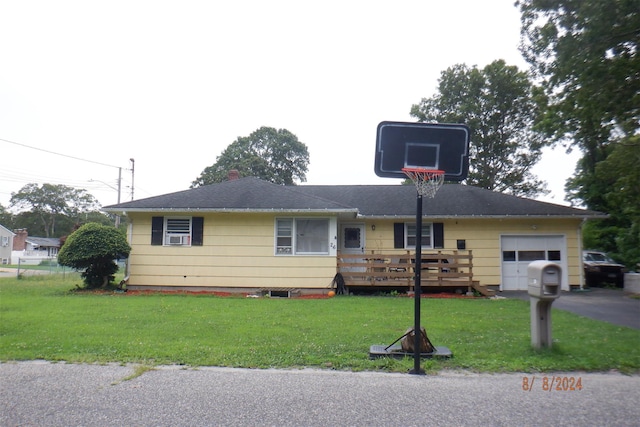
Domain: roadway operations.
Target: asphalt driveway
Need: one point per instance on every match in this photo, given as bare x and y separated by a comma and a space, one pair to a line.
609, 305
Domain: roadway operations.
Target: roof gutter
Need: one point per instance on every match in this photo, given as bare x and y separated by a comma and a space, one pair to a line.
584, 217
231, 210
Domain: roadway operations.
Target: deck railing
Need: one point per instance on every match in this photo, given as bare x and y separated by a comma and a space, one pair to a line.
376, 268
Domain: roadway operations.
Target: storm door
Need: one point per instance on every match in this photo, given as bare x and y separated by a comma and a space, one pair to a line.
352, 241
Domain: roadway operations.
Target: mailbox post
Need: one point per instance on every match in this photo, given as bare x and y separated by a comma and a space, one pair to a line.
544, 287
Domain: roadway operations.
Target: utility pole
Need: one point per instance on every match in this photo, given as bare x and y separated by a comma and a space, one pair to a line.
133, 168
119, 189
119, 183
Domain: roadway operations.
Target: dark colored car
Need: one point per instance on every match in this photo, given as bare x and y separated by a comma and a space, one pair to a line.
600, 270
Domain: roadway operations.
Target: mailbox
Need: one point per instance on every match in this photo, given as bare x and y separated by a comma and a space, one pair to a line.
544, 279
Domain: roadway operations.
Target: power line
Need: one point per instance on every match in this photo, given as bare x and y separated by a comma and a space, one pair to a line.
59, 154
9, 174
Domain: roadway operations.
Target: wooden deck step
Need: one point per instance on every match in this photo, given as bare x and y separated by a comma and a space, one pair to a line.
483, 290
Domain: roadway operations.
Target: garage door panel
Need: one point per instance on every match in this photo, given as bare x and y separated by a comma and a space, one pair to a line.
531, 255
519, 251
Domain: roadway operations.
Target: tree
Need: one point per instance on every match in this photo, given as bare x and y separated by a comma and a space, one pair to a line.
63, 224
49, 202
613, 187
6, 218
273, 155
497, 103
586, 55
93, 249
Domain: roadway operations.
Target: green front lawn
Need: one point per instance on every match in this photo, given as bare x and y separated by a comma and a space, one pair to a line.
41, 318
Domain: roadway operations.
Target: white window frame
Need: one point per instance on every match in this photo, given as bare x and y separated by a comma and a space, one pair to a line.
426, 228
175, 236
292, 247
284, 240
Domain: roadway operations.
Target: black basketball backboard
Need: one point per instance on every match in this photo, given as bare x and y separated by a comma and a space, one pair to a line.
422, 145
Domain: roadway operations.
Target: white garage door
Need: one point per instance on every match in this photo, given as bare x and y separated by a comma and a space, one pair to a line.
519, 251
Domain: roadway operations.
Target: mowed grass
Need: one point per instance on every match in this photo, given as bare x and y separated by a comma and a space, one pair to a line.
41, 318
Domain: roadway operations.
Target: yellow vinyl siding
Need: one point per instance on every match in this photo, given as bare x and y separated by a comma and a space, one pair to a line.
237, 251
483, 238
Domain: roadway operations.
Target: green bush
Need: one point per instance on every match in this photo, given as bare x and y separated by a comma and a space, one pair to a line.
93, 249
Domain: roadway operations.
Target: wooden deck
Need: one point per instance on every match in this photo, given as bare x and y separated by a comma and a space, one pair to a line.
439, 269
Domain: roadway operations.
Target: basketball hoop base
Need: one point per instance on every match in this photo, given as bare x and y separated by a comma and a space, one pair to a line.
395, 351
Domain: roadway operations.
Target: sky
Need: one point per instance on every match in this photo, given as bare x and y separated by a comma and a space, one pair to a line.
86, 86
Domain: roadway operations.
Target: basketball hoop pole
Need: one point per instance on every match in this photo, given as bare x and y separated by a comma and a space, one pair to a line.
425, 153
417, 290
427, 182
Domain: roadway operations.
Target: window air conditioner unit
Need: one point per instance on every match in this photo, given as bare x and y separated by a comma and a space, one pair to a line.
178, 240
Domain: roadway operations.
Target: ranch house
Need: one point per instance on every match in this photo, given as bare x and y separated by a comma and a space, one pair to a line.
250, 236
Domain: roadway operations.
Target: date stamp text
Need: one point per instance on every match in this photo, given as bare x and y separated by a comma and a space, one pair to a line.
552, 383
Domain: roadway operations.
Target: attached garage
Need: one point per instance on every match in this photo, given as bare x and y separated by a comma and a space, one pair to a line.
518, 251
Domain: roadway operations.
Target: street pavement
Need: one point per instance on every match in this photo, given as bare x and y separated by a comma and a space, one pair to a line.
58, 394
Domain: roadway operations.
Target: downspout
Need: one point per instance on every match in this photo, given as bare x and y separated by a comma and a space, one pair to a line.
580, 249
127, 273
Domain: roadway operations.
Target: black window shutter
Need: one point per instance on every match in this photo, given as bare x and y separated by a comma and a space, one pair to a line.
438, 235
197, 226
157, 225
398, 235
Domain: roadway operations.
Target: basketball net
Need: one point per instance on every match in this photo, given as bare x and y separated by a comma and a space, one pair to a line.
427, 181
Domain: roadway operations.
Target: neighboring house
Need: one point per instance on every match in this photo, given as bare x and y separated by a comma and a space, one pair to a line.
247, 234
32, 250
6, 245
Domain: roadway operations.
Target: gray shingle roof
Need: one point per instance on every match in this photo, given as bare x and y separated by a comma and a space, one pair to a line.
44, 242
451, 200
252, 194
246, 194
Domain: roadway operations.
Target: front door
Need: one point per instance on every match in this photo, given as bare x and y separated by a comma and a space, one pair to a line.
352, 238
352, 243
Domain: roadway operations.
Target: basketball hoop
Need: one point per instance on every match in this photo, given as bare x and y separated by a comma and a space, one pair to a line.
427, 181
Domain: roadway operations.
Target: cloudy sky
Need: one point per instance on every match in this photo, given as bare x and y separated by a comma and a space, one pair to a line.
86, 85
